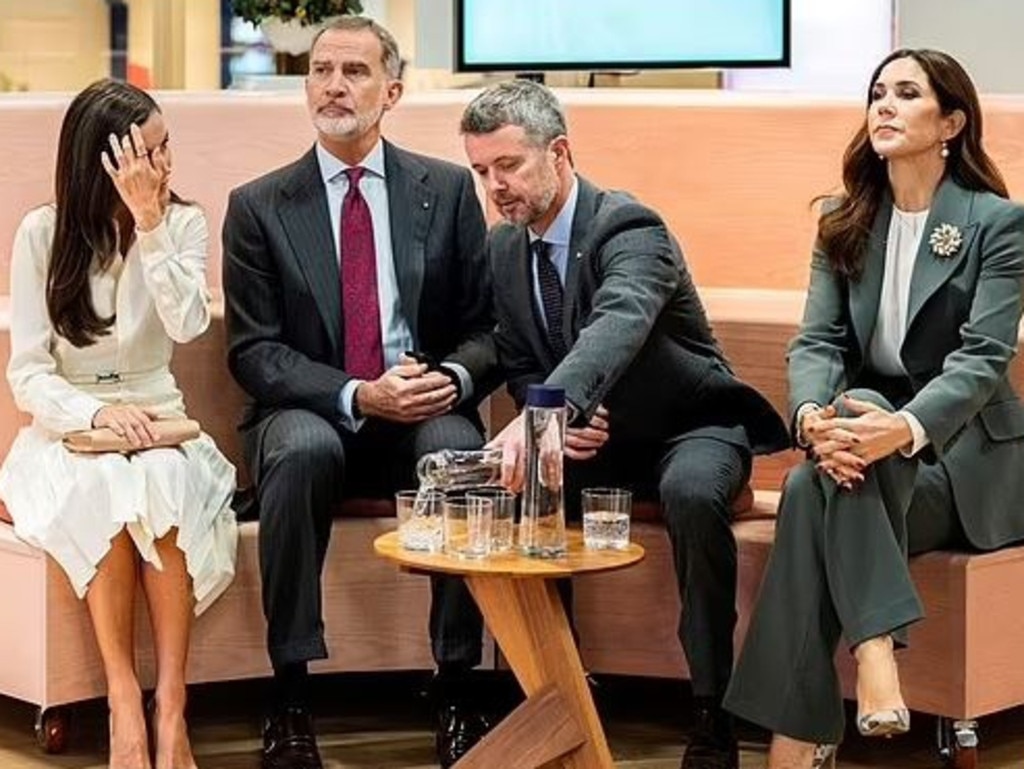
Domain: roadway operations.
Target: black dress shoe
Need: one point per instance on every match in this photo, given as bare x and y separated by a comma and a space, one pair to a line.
458, 730
712, 744
289, 741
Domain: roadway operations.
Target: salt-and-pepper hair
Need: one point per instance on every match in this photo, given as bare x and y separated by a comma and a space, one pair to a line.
523, 103
390, 57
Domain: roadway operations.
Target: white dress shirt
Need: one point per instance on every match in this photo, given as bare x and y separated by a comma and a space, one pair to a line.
557, 236
394, 327
395, 334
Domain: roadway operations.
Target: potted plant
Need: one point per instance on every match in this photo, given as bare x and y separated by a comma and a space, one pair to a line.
291, 25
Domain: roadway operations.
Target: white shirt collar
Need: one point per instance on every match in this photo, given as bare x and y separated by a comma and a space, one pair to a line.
560, 231
331, 167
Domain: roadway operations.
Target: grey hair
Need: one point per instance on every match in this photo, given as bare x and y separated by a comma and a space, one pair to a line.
390, 57
523, 103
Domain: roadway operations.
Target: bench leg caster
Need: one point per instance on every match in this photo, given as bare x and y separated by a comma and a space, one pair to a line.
52, 727
958, 743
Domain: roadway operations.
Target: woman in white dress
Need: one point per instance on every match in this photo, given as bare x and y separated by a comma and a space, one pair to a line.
103, 282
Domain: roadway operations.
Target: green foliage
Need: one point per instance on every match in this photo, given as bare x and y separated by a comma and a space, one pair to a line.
306, 11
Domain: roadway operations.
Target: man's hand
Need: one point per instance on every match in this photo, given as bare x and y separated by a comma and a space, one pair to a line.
512, 442
582, 443
406, 393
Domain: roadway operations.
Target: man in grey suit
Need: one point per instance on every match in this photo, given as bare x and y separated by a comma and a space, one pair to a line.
592, 294
334, 267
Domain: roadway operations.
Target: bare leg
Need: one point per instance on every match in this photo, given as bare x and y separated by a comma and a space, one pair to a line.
111, 602
878, 683
787, 753
169, 593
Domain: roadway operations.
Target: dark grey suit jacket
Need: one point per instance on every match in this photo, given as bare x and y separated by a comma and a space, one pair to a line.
962, 328
638, 338
283, 291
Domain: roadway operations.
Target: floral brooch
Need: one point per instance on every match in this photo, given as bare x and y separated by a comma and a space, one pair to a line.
945, 240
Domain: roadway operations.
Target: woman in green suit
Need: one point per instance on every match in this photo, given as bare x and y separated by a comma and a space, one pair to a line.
899, 394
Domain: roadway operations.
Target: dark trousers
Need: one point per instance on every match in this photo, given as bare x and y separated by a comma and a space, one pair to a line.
696, 479
838, 569
303, 466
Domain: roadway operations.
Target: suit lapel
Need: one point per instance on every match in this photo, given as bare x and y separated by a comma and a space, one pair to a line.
866, 292
586, 204
411, 204
952, 206
307, 223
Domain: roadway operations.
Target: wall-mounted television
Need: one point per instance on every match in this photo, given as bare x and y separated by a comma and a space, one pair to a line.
602, 35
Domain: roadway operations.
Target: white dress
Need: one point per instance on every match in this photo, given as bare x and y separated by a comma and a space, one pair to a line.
72, 505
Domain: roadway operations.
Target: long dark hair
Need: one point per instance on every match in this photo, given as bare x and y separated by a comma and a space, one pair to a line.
843, 231
87, 204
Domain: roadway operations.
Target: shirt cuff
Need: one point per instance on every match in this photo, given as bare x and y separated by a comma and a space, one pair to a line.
465, 380
805, 408
346, 406
920, 436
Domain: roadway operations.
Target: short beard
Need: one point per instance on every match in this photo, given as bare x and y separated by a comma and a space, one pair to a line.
536, 209
348, 127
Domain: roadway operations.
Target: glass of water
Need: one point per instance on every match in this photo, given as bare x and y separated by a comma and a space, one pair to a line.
606, 518
467, 527
419, 519
503, 515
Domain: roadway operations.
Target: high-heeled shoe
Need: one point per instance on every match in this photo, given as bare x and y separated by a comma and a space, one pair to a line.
824, 756
884, 723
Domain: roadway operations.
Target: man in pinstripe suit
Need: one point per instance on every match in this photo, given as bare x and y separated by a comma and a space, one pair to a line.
334, 266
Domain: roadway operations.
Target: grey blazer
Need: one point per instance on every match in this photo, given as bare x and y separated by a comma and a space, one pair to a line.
283, 292
962, 327
639, 341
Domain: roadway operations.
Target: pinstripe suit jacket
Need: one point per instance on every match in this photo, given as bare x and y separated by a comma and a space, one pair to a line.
283, 292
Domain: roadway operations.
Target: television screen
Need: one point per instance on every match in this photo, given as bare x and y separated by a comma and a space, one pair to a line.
535, 35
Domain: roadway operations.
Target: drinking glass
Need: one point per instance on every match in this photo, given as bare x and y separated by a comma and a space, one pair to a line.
503, 513
606, 518
467, 527
420, 519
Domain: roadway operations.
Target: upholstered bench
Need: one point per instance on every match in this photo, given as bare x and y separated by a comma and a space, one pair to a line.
963, 662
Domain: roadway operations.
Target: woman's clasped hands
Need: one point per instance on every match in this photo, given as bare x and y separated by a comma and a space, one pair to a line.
844, 447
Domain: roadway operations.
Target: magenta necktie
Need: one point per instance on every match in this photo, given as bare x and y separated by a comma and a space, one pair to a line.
364, 348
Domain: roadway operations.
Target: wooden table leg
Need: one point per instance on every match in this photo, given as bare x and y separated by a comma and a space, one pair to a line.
526, 618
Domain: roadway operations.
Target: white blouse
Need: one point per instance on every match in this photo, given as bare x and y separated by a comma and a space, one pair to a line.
905, 232
159, 296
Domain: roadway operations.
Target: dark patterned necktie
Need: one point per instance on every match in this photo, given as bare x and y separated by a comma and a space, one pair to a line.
550, 295
364, 347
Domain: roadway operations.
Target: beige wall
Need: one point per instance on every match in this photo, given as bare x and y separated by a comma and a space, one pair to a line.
53, 45
186, 44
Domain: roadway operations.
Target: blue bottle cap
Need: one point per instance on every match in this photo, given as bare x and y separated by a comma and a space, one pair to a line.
545, 396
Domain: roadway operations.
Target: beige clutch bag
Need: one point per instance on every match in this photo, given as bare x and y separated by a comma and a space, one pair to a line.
173, 432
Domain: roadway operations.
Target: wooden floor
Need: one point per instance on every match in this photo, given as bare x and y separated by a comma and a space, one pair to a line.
382, 722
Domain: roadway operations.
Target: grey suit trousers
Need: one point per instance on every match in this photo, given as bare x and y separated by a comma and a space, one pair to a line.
838, 569
696, 479
303, 466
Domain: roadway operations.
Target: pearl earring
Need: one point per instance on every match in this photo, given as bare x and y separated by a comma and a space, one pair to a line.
881, 157
944, 152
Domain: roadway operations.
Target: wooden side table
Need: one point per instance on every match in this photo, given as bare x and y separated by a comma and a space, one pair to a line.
519, 601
